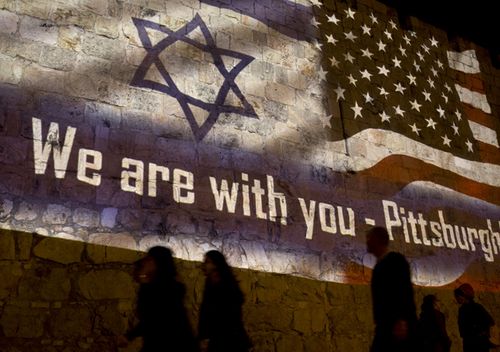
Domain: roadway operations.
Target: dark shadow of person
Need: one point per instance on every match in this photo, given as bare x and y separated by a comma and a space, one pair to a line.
394, 310
474, 322
162, 320
431, 328
220, 326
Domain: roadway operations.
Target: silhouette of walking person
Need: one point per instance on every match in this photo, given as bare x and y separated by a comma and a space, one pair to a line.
432, 334
394, 310
474, 322
163, 322
220, 325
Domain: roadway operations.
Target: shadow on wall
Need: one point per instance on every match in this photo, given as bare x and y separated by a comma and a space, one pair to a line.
57, 295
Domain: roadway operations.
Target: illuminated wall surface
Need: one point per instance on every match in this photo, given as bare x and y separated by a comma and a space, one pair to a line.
276, 131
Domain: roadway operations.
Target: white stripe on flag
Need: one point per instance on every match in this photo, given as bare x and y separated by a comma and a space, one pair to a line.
465, 61
486, 173
484, 134
477, 100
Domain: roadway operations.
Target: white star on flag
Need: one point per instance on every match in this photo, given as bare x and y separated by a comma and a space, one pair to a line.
385, 70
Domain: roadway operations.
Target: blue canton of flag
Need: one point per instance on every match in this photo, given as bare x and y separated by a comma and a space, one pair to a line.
387, 78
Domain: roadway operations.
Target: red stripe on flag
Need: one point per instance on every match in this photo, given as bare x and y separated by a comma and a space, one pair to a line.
396, 171
489, 153
481, 117
471, 81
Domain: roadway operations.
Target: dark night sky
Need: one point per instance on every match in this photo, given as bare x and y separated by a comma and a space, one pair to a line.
477, 20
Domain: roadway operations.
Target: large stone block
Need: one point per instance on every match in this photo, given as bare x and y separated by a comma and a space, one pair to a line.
27, 211
7, 246
71, 322
10, 274
38, 30
112, 319
97, 113
8, 22
46, 284
56, 214
96, 285
24, 243
103, 47
22, 323
38, 9
57, 58
279, 317
86, 217
70, 37
317, 343
108, 217
112, 247
289, 342
98, 7
43, 79
6, 206
63, 14
59, 251
302, 321
10, 70
108, 27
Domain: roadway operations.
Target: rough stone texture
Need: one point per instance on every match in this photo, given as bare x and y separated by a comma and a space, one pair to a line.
10, 71
112, 318
108, 217
52, 285
50, 250
18, 321
27, 211
8, 22
7, 247
37, 30
113, 248
72, 63
102, 47
96, 285
5, 208
83, 305
70, 37
71, 322
56, 214
10, 274
86, 217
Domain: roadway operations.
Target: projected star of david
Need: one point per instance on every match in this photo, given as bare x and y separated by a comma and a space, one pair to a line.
169, 87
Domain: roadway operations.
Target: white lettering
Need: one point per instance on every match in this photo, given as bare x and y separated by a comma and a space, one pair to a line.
60, 154
84, 164
183, 181
132, 180
328, 224
222, 196
347, 231
272, 196
390, 222
308, 216
153, 172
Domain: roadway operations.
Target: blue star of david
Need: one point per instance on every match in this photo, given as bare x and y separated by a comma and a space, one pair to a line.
169, 87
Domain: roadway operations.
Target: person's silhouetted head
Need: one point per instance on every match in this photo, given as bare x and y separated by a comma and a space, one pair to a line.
377, 241
158, 264
164, 261
464, 293
216, 268
429, 303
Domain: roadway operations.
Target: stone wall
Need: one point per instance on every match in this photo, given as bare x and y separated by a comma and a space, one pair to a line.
98, 146
61, 295
237, 125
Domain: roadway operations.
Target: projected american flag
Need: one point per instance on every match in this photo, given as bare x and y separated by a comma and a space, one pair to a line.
391, 79
423, 101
